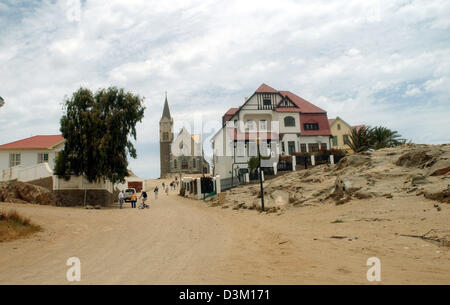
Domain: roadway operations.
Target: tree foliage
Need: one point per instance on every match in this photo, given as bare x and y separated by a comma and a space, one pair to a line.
97, 129
377, 137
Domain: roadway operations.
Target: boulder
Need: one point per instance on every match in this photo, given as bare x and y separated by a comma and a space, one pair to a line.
352, 161
20, 192
438, 192
414, 158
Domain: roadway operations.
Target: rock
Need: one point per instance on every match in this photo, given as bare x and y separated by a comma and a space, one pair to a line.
344, 200
438, 192
362, 195
89, 207
414, 158
97, 207
388, 195
280, 198
352, 161
419, 179
20, 192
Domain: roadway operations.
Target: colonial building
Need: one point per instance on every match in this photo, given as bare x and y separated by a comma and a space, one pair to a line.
284, 123
31, 151
184, 154
340, 132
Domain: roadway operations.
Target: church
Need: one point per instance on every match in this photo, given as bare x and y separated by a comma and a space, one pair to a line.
182, 155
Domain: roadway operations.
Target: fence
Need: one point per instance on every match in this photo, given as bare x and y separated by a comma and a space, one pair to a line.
284, 165
228, 183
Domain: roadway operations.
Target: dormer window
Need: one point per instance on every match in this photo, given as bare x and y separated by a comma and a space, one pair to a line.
266, 101
311, 126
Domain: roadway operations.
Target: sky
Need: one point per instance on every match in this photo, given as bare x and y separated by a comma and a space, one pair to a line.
368, 62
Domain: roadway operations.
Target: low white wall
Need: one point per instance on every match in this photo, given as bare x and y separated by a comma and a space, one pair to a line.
25, 174
80, 183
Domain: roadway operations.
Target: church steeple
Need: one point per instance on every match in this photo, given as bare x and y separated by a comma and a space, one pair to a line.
166, 111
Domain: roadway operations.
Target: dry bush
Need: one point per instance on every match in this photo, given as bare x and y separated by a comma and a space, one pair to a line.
13, 225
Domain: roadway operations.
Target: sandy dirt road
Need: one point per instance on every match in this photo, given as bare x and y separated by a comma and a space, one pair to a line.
182, 241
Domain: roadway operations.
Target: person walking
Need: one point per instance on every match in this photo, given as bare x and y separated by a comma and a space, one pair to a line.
121, 198
133, 200
167, 190
156, 192
144, 197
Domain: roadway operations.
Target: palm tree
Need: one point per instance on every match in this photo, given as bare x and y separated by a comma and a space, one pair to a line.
360, 139
384, 137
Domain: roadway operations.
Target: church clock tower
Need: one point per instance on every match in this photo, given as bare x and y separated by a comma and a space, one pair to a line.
165, 139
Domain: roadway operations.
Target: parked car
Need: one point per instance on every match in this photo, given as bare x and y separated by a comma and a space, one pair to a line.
127, 194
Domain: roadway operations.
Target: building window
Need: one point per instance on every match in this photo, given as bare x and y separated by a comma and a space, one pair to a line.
345, 138
194, 165
42, 157
165, 136
283, 151
235, 123
14, 160
303, 148
175, 163
291, 147
251, 125
335, 141
323, 146
339, 126
252, 149
313, 147
311, 126
267, 102
289, 121
263, 125
184, 164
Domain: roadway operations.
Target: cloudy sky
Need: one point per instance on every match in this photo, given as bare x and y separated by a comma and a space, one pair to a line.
370, 62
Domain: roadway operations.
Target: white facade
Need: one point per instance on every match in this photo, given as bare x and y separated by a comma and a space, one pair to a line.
30, 157
264, 112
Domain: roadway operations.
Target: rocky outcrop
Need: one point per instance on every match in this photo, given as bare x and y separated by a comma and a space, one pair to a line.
21, 192
409, 170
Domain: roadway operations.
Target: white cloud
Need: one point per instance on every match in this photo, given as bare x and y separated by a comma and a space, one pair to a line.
357, 59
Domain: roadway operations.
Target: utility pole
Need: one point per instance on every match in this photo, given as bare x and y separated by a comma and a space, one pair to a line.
260, 176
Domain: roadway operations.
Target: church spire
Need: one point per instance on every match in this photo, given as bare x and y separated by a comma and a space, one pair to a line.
166, 111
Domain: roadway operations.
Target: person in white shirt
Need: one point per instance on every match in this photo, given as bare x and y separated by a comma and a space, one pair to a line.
121, 198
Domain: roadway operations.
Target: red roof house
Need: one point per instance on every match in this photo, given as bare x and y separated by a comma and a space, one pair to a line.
35, 142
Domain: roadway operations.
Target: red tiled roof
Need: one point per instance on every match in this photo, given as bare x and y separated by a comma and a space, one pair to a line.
36, 142
266, 89
230, 113
330, 121
358, 127
319, 118
304, 105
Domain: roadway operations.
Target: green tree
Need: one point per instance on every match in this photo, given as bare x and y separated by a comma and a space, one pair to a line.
360, 139
97, 129
373, 138
383, 137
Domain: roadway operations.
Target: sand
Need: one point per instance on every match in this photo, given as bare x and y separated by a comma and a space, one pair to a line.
183, 241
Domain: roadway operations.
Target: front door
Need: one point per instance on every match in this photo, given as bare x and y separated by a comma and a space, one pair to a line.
291, 147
